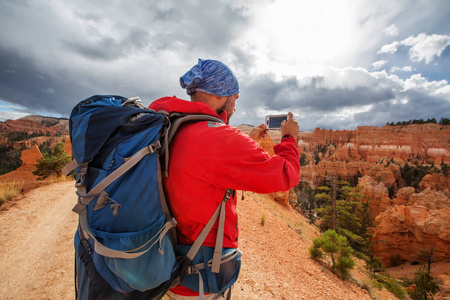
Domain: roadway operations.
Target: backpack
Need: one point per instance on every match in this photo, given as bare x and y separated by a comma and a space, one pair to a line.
125, 244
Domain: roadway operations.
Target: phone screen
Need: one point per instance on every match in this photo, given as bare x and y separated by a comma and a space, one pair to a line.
275, 121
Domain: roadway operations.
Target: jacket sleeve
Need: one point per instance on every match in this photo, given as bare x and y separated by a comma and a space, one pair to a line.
231, 159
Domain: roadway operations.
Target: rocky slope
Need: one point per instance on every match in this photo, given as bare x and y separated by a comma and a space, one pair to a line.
37, 124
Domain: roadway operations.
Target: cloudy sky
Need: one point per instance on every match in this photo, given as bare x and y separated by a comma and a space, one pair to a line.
336, 64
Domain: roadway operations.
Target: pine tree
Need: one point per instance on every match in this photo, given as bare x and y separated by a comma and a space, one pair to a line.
52, 162
352, 213
426, 285
336, 247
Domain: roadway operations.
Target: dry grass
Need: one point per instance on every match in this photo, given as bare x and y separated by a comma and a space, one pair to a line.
263, 219
10, 190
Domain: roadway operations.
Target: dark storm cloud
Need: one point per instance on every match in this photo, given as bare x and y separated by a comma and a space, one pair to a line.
34, 89
344, 99
419, 105
108, 48
54, 54
316, 96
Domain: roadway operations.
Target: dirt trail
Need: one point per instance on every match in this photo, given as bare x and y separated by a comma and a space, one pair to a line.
36, 244
37, 251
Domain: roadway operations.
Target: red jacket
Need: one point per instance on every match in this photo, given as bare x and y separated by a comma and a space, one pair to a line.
207, 158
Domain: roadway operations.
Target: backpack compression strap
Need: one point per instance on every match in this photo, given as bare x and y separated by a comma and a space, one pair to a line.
85, 198
218, 259
219, 213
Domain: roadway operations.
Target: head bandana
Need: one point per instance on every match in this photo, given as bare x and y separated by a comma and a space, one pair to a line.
212, 77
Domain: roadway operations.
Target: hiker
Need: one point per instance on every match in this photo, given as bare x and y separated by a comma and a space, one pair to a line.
207, 158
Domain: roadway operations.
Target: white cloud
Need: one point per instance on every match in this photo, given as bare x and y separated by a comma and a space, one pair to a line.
11, 115
389, 48
391, 30
401, 69
379, 64
423, 47
427, 47
418, 82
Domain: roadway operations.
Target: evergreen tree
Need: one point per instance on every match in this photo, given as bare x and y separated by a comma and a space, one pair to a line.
353, 216
427, 255
52, 162
336, 247
426, 285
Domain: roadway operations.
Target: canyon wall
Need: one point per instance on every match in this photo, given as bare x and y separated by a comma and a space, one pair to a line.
371, 150
368, 150
406, 220
36, 124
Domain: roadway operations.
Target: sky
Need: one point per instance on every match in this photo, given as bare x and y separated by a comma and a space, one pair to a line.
336, 64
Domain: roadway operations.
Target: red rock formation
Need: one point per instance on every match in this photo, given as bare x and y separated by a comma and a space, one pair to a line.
372, 143
31, 156
24, 173
404, 196
377, 192
436, 182
431, 199
403, 231
36, 124
409, 222
51, 141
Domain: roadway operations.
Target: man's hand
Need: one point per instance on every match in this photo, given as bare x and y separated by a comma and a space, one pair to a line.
290, 127
258, 132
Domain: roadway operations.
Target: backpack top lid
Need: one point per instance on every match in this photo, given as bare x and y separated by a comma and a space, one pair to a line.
96, 119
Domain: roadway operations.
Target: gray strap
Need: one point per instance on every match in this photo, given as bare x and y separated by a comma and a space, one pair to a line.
165, 207
203, 234
172, 129
201, 290
84, 200
187, 118
119, 172
72, 165
219, 238
219, 241
195, 269
130, 254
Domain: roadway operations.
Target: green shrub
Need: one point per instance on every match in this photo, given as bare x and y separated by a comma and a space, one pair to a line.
391, 285
315, 253
52, 162
263, 219
375, 266
336, 247
426, 285
344, 265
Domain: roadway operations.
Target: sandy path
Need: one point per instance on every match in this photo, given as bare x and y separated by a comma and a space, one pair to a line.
36, 244
37, 251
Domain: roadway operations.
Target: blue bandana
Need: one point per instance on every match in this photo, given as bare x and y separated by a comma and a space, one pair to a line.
212, 77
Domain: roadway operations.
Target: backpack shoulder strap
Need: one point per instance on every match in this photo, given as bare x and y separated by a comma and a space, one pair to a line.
176, 120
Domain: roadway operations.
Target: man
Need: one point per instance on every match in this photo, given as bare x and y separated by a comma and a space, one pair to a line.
207, 158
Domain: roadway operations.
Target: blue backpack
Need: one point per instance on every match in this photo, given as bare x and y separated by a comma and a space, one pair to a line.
125, 242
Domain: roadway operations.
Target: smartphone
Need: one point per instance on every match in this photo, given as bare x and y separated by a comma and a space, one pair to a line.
274, 121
